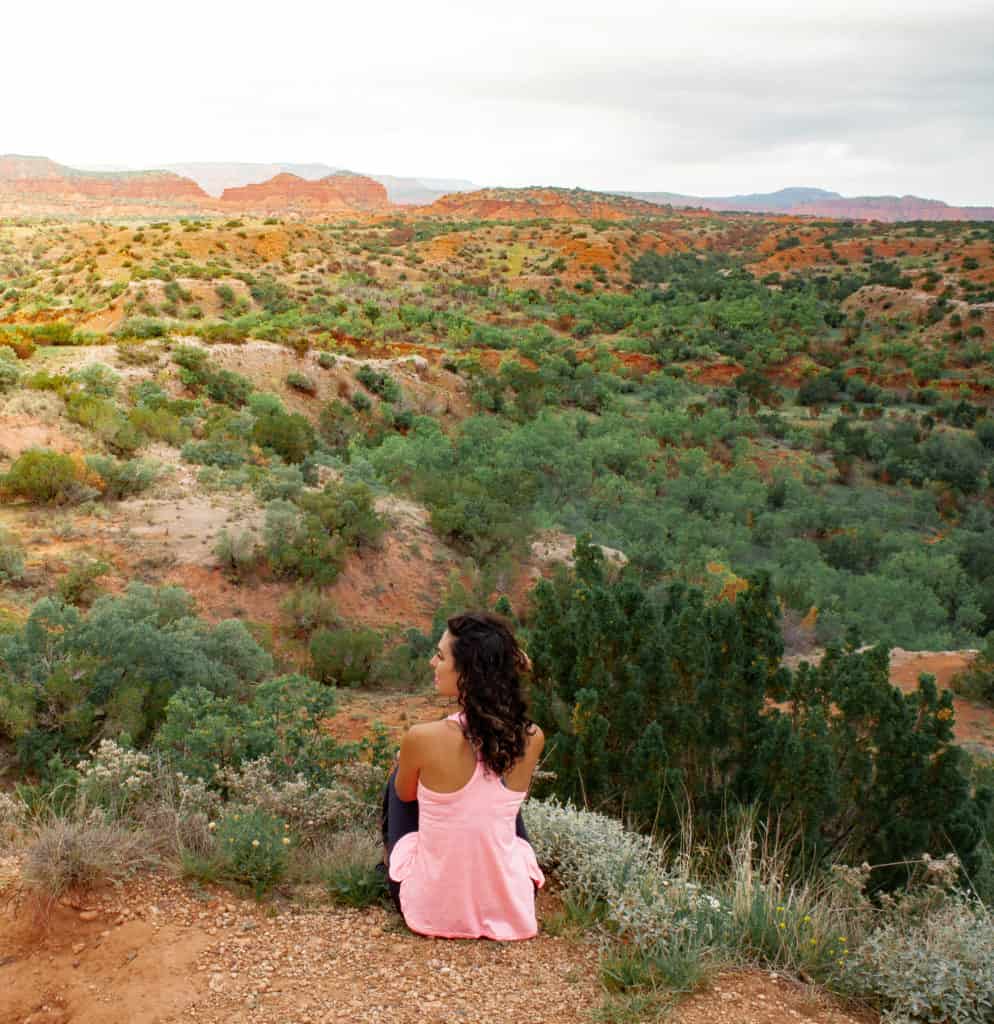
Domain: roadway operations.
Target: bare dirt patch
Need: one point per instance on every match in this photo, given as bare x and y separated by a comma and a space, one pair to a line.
755, 997
401, 582
185, 529
160, 951
974, 727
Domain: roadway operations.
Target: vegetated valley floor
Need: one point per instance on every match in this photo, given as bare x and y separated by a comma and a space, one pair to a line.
756, 391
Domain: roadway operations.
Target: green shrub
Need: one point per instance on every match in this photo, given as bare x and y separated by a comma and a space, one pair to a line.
819, 390
106, 420
308, 609
66, 677
203, 734
230, 333
142, 328
311, 538
134, 353
281, 482
272, 295
42, 476
42, 380
957, 461
237, 553
221, 453
381, 384
97, 380
10, 372
11, 558
301, 382
198, 374
79, 586
346, 657
358, 885
228, 387
265, 403
977, 681
337, 423
940, 969
58, 332
291, 436
253, 846
326, 360
159, 424
123, 479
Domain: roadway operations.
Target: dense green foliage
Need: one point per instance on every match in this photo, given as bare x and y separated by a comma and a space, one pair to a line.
67, 679
310, 536
656, 705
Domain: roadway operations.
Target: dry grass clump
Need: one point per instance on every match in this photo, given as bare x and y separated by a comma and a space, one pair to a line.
10, 821
78, 853
352, 848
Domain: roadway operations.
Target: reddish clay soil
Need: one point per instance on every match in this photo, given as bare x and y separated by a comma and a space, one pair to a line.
717, 374
974, 722
161, 951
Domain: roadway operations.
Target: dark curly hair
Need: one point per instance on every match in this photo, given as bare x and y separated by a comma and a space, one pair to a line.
489, 662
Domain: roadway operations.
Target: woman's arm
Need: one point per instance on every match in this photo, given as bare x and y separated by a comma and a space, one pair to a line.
408, 765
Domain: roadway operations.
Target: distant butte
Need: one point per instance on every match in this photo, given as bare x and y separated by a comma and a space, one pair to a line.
41, 178
817, 202
340, 192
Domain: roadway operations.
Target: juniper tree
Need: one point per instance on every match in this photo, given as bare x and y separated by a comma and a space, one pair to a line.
656, 703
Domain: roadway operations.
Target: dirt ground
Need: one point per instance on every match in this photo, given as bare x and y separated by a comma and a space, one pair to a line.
161, 951
974, 725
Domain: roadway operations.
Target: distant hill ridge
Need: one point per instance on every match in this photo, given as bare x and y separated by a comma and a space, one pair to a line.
38, 184
537, 203
818, 202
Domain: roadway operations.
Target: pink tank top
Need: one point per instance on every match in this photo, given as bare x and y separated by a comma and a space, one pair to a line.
465, 874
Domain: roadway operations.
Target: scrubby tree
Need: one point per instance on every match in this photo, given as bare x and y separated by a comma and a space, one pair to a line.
67, 678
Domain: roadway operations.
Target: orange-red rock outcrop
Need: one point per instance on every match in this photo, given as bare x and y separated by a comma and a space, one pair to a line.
288, 193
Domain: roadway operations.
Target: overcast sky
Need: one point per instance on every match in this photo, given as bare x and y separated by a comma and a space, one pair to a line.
703, 98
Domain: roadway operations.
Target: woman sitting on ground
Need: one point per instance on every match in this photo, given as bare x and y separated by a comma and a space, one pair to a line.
460, 864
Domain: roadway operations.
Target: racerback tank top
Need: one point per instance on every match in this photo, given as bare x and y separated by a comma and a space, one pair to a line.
465, 874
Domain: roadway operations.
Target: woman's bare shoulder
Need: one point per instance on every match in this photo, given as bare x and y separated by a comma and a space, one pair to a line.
432, 730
